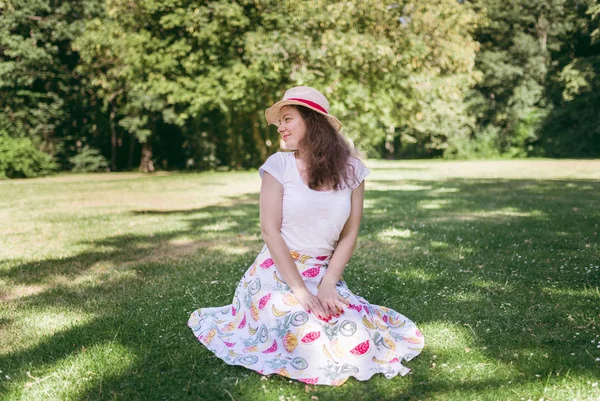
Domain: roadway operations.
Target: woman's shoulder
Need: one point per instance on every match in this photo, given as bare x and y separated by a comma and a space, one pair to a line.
358, 171
356, 164
355, 161
280, 156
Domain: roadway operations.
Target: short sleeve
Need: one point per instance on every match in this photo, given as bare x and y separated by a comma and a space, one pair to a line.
274, 166
360, 172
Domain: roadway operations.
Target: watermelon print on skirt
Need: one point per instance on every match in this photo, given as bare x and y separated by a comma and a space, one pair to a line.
265, 329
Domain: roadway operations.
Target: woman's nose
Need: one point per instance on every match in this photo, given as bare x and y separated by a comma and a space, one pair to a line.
281, 128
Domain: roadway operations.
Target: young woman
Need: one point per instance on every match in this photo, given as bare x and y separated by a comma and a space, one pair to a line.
292, 313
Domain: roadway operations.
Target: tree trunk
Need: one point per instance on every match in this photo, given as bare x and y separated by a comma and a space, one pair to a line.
389, 142
113, 141
260, 143
235, 136
542, 26
146, 164
131, 150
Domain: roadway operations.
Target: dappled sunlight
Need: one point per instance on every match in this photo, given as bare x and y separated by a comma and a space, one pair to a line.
382, 185
11, 293
183, 247
415, 275
479, 272
31, 329
61, 207
433, 204
369, 203
99, 272
77, 373
233, 249
443, 336
394, 233
509, 212
444, 190
438, 245
220, 226
456, 357
497, 215
592, 294
491, 285
463, 296
536, 169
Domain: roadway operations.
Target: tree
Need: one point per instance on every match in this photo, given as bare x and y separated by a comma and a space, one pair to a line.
41, 96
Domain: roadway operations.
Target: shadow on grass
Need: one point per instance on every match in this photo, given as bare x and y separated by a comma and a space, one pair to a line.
503, 263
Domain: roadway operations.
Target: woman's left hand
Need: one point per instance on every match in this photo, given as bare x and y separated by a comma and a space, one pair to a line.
332, 302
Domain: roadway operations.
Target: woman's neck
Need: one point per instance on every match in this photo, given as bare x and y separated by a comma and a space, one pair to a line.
298, 154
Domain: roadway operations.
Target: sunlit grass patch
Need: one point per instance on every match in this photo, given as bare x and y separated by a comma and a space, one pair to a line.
383, 185
392, 233
30, 327
444, 190
433, 204
454, 357
414, 274
439, 245
75, 374
509, 212
220, 226
442, 336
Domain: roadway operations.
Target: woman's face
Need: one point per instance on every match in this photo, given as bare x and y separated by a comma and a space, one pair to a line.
291, 127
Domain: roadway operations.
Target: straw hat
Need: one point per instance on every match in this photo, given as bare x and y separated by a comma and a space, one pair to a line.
302, 96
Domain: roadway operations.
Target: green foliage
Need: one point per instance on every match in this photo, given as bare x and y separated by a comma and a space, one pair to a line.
484, 145
572, 127
181, 84
528, 54
40, 96
20, 158
88, 160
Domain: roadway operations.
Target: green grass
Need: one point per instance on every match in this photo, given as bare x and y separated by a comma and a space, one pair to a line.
497, 262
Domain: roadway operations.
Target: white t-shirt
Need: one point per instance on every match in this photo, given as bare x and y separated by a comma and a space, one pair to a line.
311, 220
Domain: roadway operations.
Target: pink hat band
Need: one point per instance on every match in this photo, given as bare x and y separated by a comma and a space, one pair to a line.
311, 104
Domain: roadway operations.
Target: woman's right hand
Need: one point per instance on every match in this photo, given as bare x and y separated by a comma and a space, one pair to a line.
311, 303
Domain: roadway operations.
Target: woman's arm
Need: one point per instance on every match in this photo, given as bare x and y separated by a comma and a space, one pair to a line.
330, 299
271, 199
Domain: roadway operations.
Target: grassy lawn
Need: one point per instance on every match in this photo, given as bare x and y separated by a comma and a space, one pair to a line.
498, 263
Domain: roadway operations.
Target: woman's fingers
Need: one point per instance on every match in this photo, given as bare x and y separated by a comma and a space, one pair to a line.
318, 309
343, 300
327, 310
340, 306
333, 308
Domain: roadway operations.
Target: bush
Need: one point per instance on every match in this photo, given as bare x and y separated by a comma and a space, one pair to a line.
484, 145
88, 160
20, 158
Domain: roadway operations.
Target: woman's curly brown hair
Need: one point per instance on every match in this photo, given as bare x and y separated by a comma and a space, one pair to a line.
327, 153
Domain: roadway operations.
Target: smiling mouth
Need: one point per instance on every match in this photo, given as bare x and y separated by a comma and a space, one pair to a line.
284, 137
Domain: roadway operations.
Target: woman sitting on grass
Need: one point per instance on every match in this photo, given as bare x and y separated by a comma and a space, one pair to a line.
292, 313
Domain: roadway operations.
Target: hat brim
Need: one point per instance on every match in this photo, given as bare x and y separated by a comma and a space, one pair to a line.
272, 113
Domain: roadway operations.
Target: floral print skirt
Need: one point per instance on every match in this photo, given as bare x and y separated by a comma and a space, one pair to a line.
265, 329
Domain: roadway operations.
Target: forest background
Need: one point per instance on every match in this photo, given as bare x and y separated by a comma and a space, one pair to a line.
117, 85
